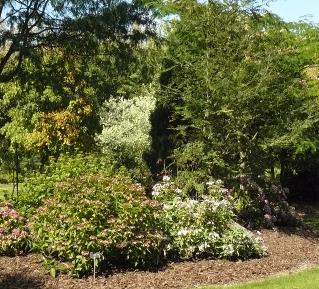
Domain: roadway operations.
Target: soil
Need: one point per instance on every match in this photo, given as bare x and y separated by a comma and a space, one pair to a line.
288, 251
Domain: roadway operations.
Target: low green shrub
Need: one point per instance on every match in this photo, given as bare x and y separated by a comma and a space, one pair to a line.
14, 231
195, 226
239, 243
98, 213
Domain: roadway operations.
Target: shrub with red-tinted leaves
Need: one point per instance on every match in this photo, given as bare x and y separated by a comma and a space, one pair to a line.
98, 213
14, 232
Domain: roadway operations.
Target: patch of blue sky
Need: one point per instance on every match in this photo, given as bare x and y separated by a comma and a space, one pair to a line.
295, 10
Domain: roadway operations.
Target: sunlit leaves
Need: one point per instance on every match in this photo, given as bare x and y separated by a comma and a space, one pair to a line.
126, 126
233, 80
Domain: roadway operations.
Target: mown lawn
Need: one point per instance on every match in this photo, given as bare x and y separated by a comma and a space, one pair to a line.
5, 189
307, 279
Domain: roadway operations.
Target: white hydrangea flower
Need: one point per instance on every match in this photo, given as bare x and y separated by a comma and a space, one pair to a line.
155, 193
166, 178
201, 247
182, 232
210, 183
219, 182
213, 235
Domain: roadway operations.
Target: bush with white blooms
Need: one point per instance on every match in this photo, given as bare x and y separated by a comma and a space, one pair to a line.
204, 227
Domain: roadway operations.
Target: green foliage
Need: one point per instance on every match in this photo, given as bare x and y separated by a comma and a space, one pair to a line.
203, 227
51, 106
263, 203
166, 191
237, 98
27, 27
195, 164
125, 131
15, 237
97, 213
41, 185
125, 128
239, 243
51, 109
234, 88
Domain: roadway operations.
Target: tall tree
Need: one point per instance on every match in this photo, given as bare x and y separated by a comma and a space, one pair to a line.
30, 24
50, 102
233, 87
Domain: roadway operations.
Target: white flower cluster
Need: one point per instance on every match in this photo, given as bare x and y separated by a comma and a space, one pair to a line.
228, 249
195, 224
166, 178
207, 204
216, 187
166, 184
201, 226
214, 183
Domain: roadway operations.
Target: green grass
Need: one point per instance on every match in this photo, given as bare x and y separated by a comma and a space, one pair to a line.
5, 189
307, 279
312, 221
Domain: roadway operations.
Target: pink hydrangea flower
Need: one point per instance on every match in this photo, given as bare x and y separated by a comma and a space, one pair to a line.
16, 232
13, 214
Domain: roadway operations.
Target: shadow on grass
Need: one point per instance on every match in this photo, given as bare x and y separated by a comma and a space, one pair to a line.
19, 281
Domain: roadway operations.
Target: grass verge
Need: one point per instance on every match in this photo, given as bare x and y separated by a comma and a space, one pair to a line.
306, 279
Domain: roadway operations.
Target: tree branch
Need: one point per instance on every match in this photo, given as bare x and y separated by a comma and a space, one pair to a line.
6, 58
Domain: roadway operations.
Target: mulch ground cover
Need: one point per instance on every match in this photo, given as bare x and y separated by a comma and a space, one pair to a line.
288, 251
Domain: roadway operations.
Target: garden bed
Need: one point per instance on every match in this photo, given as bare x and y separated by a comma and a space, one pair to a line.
288, 250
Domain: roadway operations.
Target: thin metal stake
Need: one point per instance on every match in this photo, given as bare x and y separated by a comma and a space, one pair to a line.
94, 264
94, 256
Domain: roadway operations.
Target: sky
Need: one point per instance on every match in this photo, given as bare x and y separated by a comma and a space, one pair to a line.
296, 10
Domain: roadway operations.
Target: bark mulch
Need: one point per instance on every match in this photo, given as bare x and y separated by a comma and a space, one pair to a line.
288, 251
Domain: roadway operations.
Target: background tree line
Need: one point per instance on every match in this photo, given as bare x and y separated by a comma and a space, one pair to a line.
231, 90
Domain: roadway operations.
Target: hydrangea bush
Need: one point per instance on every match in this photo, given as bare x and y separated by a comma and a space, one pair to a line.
14, 231
41, 185
98, 213
204, 227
